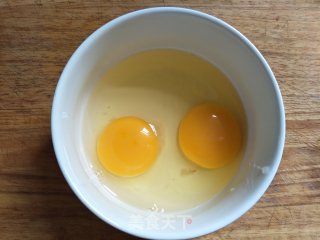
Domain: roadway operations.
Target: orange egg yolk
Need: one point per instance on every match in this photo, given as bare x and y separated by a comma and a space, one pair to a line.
210, 136
127, 147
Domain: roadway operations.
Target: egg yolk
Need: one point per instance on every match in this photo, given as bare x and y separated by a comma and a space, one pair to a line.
127, 147
210, 136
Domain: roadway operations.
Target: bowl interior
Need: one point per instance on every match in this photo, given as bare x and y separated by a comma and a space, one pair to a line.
204, 36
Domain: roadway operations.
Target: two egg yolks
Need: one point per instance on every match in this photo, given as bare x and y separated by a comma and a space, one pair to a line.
208, 135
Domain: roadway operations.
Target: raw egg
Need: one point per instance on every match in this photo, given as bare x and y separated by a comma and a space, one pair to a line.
210, 136
159, 87
127, 147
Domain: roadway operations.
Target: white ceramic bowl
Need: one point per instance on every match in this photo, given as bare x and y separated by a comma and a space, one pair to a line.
215, 41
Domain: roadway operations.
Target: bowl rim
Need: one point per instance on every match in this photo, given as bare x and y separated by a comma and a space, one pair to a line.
281, 135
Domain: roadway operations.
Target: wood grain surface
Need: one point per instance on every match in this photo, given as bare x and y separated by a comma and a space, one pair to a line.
36, 40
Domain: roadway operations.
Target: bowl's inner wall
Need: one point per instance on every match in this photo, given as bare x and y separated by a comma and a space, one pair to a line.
189, 33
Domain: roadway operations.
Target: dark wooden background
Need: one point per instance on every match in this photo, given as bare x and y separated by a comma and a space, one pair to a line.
36, 40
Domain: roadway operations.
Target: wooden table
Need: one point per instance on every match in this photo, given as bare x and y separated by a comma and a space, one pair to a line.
37, 37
